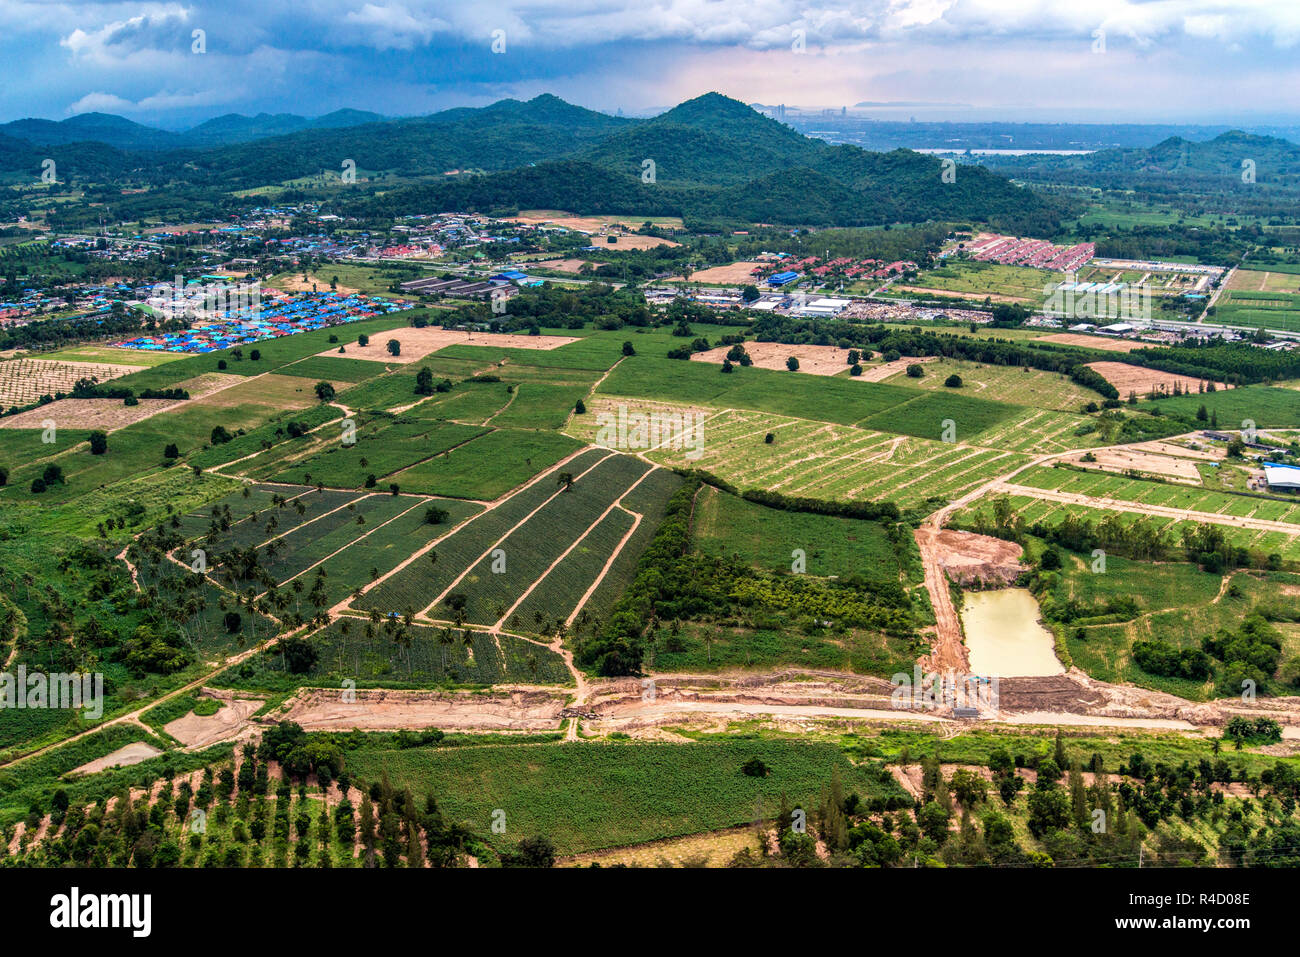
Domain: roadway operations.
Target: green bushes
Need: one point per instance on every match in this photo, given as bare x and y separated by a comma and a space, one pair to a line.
617, 651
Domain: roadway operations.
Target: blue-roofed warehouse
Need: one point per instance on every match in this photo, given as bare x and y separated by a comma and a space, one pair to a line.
782, 278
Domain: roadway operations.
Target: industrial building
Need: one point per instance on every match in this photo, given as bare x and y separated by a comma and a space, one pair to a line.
1284, 478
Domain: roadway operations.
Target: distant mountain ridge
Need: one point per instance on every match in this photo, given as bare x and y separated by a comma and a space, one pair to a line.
1229, 161
121, 133
710, 158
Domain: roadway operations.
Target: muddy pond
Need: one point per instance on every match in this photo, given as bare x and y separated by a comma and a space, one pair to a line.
1005, 637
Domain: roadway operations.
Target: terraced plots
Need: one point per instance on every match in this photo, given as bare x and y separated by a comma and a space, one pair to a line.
351, 538
1156, 494
539, 555
382, 447
404, 656
825, 460
828, 399
1050, 495
1020, 385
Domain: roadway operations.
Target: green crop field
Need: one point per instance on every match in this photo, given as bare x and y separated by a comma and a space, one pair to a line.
418, 584
382, 448
1033, 510
1139, 491
728, 525
488, 466
824, 460
382, 656
590, 796
975, 280
1017, 385
498, 580
1267, 407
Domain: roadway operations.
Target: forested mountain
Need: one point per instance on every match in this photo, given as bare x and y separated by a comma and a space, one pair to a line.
237, 128
114, 131
714, 159
1212, 165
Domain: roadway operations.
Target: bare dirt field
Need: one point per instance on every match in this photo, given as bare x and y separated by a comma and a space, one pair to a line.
23, 381
735, 273
954, 294
967, 557
106, 414
882, 372
321, 710
632, 241
1206, 453
121, 758
566, 265
713, 849
112, 414
295, 283
1254, 280
1094, 342
1130, 378
418, 343
1152, 463
185, 228
594, 224
231, 722
817, 360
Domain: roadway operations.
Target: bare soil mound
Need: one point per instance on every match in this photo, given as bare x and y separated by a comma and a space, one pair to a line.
968, 558
123, 757
318, 709
233, 721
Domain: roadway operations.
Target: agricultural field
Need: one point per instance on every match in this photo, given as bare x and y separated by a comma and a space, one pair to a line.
971, 279
111, 355
1009, 384
1174, 602
832, 546
1147, 493
395, 655
491, 589
1266, 406
594, 796
1265, 310
382, 447
1033, 507
823, 460
1264, 279
817, 398
533, 558
24, 381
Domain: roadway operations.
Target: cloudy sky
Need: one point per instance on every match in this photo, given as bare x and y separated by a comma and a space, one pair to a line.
177, 63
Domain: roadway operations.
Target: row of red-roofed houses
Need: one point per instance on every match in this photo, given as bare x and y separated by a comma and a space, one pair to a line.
1039, 253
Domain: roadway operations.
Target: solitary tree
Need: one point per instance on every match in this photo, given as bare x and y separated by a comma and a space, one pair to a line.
324, 391
792, 364
394, 347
